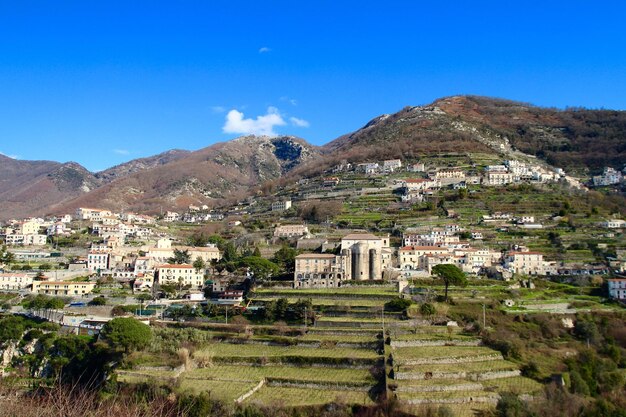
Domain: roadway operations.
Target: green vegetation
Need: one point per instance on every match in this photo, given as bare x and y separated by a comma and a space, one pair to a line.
450, 275
126, 333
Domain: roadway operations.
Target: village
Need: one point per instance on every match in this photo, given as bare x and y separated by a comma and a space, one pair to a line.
140, 253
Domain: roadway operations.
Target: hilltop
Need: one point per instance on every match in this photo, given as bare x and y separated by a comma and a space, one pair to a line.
578, 140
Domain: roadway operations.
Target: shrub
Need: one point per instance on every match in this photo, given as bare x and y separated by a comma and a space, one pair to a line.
98, 301
397, 304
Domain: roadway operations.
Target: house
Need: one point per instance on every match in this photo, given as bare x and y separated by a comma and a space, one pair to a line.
91, 214
418, 167
392, 165
368, 168
615, 224
448, 174
528, 263
419, 184
29, 227
15, 281
162, 255
143, 282
499, 168
281, 205
98, 261
525, 219
63, 287
320, 270
171, 216
330, 182
230, 297
617, 288
497, 178
25, 240
183, 274
411, 257
610, 176
58, 229
291, 230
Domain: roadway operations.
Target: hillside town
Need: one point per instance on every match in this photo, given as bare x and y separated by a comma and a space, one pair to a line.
142, 253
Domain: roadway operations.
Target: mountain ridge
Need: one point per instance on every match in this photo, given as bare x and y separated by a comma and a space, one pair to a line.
578, 139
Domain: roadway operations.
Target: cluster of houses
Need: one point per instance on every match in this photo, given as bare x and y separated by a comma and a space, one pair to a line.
104, 223
26, 233
510, 172
364, 256
610, 176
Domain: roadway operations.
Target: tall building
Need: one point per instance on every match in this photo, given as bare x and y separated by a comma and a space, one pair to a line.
362, 256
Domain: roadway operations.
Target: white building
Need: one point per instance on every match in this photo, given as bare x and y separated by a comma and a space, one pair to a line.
615, 224
281, 205
98, 261
171, 216
527, 263
182, 274
15, 281
291, 230
25, 240
63, 287
392, 165
498, 178
610, 176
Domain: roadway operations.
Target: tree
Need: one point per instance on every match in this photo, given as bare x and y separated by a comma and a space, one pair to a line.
260, 267
285, 257
6, 257
126, 333
11, 328
230, 252
451, 275
98, 301
180, 257
199, 264
427, 310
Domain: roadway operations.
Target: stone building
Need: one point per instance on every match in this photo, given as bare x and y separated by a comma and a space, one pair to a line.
362, 256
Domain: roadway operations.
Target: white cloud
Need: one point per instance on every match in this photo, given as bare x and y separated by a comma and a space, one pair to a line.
264, 50
218, 109
299, 122
262, 125
121, 151
291, 101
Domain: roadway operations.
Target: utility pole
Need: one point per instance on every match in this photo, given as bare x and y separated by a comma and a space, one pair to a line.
484, 318
226, 314
305, 319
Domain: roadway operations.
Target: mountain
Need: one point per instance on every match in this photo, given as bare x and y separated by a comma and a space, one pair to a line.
584, 141
210, 176
578, 140
34, 187
141, 164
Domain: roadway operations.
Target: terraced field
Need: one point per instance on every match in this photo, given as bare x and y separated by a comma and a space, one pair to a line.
466, 378
340, 359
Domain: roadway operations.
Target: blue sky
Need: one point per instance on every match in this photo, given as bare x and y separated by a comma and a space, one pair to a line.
101, 83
